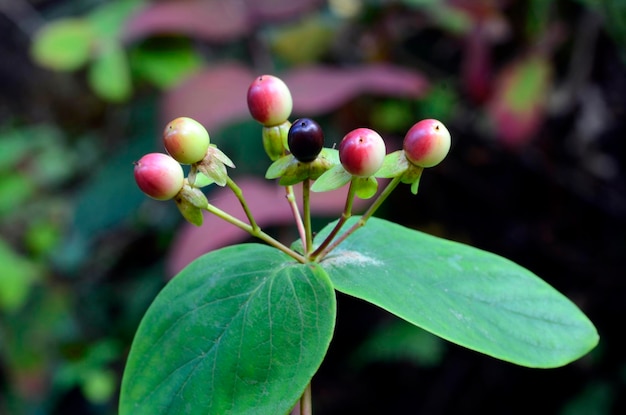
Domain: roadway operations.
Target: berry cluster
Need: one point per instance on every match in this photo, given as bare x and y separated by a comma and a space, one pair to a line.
298, 156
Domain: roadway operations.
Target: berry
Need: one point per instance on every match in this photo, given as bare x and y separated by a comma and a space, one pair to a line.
186, 140
159, 176
305, 139
427, 143
362, 152
269, 100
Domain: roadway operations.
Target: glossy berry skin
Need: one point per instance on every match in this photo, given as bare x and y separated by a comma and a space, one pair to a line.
305, 139
186, 140
427, 143
159, 176
269, 100
362, 152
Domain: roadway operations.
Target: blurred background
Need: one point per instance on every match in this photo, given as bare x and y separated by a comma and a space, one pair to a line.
533, 92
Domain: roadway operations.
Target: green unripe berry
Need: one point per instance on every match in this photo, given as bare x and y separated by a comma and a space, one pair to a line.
427, 143
186, 140
159, 176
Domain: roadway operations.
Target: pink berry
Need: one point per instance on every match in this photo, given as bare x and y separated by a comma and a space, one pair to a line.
159, 176
186, 140
427, 143
269, 100
362, 152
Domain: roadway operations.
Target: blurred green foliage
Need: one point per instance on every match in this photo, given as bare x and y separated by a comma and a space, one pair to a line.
82, 251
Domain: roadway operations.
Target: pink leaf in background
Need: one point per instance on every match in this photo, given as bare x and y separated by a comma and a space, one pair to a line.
269, 207
217, 96
214, 97
517, 107
317, 89
213, 20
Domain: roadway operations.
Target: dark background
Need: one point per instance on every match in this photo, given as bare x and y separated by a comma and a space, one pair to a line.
85, 252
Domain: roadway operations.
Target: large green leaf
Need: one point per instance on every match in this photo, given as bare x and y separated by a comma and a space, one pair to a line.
241, 330
465, 295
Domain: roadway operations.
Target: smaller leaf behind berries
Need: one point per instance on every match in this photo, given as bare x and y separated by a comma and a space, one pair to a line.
394, 165
332, 179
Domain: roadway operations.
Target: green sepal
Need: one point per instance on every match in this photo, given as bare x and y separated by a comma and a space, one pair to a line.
216, 171
394, 165
291, 171
201, 180
218, 155
279, 167
193, 196
412, 176
332, 179
365, 187
191, 213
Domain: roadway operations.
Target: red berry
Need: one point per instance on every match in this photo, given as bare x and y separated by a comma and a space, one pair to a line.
427, 143
269, 100
305, 139
186, 140
159, 176
362, 152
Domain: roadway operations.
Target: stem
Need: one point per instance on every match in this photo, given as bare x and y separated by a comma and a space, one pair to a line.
345, 215
306, 202
306, 407
256, 232
239, 193
363, 219
291, 198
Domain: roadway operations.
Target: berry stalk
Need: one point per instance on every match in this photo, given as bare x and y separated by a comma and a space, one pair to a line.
254, 231
345, 215
306, 203
361, 222
239, 193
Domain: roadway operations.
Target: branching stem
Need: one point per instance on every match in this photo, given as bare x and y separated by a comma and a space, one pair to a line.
345, 215
239, 193
256, 232
291, 198
362, 220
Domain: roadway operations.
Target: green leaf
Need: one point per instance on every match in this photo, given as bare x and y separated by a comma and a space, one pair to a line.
109, 74
279, 167
332, 179
63, 45
17, 278
468, 296
166, 62
394, 165
241, 330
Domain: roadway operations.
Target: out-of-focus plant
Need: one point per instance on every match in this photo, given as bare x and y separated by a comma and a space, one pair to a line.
489, 67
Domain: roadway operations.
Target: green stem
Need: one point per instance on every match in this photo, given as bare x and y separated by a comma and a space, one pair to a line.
291, 198
363, 219
256, 232
306, 203
345, 215
239, 193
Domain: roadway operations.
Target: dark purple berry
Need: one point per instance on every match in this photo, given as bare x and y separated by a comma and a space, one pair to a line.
305, 139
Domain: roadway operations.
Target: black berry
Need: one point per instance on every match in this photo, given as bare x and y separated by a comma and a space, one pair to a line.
305, 139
